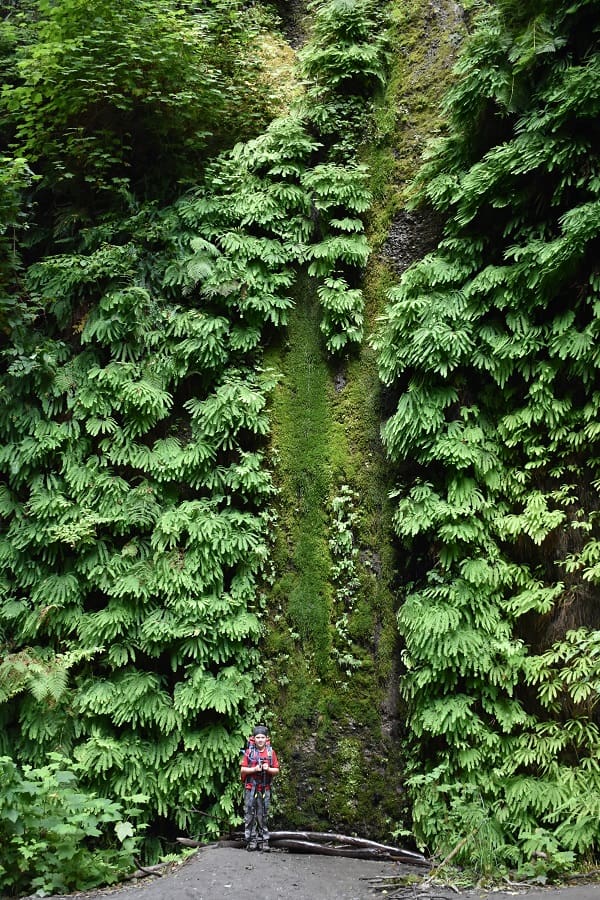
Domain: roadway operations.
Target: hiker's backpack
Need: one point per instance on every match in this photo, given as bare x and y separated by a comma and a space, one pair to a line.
253, 754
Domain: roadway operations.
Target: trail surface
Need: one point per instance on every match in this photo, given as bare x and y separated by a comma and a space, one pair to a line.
223, 873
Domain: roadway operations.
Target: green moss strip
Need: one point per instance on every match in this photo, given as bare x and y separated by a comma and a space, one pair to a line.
301, 433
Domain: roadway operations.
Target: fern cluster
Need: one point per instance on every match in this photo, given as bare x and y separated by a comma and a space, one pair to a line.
346, 64
134, 533
134, 494
491, 345
344, 572
265, 210
275, 207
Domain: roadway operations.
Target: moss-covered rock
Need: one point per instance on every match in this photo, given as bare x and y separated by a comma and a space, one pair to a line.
331, 648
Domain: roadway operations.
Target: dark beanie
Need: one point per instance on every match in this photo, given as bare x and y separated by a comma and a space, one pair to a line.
260, 729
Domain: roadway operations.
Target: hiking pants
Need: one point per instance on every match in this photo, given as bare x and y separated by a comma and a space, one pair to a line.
256, 811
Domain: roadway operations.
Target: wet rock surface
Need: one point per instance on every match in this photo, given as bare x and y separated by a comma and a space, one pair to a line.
413, 234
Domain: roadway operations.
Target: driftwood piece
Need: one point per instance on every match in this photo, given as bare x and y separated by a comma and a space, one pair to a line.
321, 837
327, 844
328, 850
189, 842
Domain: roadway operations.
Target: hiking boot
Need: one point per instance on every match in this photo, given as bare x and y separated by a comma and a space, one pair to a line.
264, 847
252, 845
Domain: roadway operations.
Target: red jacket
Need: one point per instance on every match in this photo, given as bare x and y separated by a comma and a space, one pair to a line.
252, 757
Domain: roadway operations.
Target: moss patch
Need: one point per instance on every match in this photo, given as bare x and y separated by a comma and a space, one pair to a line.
301, 427
331, 640
424, 37
331, 647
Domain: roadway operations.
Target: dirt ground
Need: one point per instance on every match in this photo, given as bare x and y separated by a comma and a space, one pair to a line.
224, 873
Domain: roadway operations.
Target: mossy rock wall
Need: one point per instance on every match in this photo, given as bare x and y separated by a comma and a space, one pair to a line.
331, 643
331, 649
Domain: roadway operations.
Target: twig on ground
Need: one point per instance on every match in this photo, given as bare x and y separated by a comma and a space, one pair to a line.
389, 880
578, 876
143, 871
456, 849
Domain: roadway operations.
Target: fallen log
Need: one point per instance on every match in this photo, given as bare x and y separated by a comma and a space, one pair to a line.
320, 837
189, 842
327, 850
325, 843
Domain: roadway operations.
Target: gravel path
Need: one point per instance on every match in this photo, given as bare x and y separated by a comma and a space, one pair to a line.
224, 873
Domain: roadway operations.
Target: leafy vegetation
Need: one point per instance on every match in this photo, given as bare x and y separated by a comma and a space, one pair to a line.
133, 492
489, 346
346, 62
50, 830
106, 99
134, 496
165, 216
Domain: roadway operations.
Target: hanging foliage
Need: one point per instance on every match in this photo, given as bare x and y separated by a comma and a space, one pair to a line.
134, 495
133, 535
491, 344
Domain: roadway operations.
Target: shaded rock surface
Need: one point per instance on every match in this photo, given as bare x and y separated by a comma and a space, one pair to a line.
413, 234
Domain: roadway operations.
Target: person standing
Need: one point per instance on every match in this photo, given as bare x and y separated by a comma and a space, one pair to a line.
259, 766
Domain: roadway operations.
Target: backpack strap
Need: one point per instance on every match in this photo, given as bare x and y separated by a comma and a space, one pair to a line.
253, 758
254, 754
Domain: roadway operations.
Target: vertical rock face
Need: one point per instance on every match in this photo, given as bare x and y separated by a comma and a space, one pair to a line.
332, 690
413, 233
331, 656
488, 344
